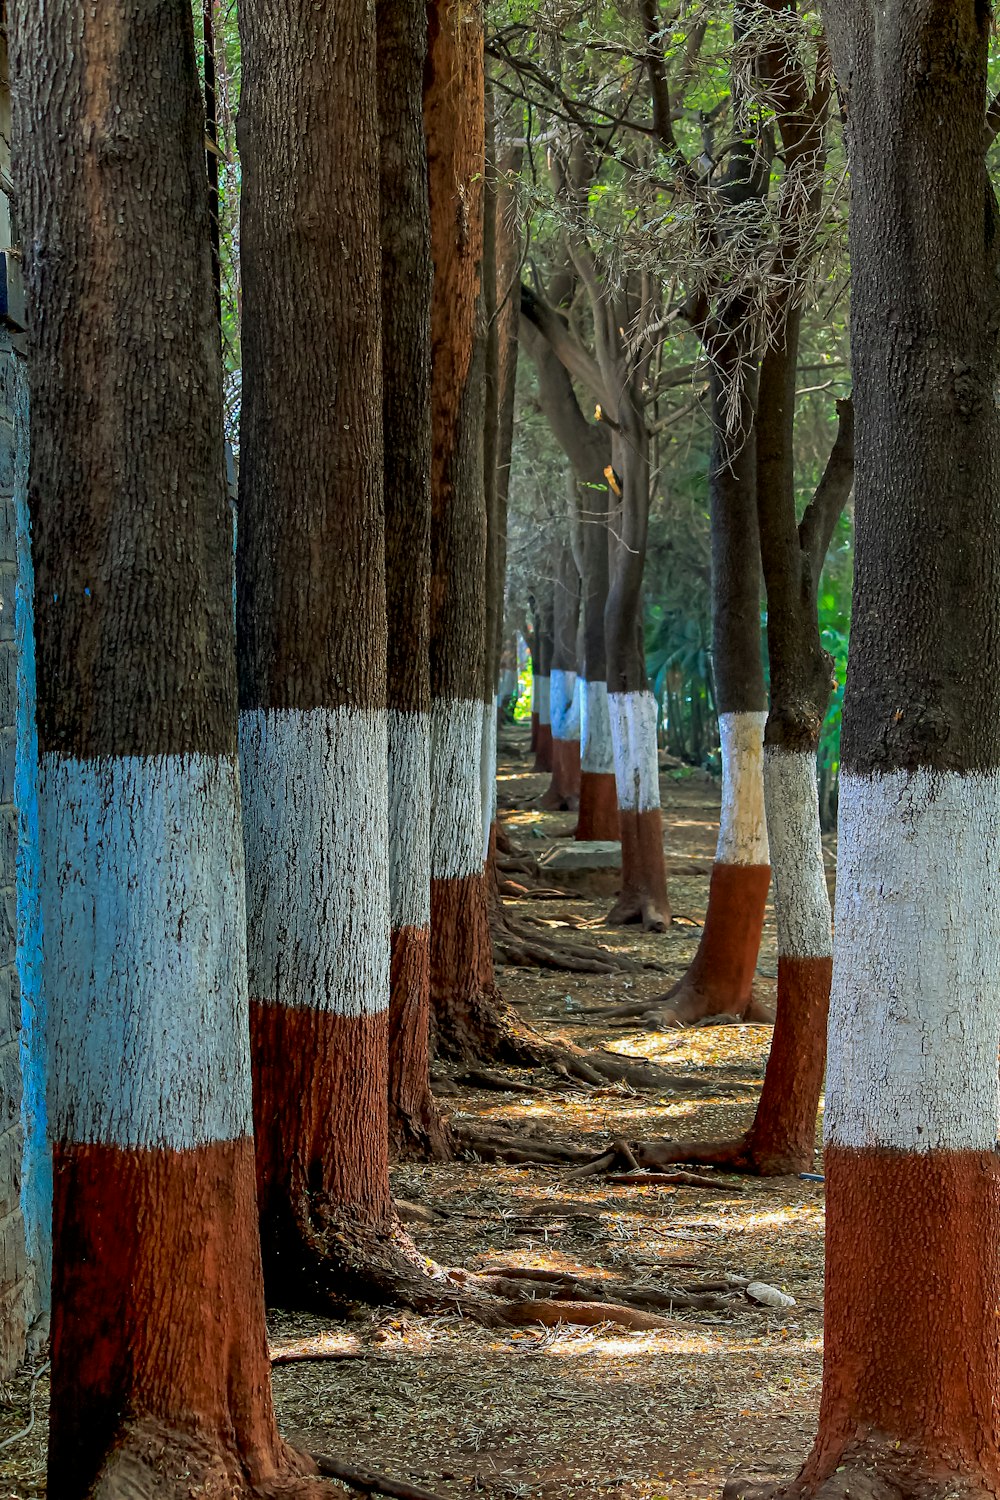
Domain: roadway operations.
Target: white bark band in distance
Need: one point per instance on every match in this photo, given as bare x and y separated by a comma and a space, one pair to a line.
801, 899
915, 1005
456, 788
145, 950
564, 705
316, 831
742, 822
409, 818
597, 753
633, 734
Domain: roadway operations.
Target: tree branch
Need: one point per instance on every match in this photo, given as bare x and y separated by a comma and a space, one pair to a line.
823, 511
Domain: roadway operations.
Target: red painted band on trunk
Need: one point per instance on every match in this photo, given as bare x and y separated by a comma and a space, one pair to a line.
564, 791
534, 731
413, 1116
543, 748
720, 979
598, 806
462, 980
783, 1135
644, 871
320, 1102
913, 1296
157, 1306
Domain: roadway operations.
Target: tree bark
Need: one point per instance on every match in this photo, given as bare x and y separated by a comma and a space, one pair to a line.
541, 682
587, 445
469, 1016
564, 701
311, 628
415, 1123
720, 978
909, 1405
142, 893
631, 705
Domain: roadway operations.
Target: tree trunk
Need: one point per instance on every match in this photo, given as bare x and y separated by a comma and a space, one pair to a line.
632, 706
541, 686
311, 630
909, 1404
415, 1124
142, 895
598, 797
564, 699
720, 978
468, 1014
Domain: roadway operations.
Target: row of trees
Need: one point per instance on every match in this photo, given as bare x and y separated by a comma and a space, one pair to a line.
266, 839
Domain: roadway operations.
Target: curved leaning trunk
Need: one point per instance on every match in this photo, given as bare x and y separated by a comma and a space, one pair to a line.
142, 888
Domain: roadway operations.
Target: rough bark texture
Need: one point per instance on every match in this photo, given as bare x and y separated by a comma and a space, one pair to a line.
564, 789
312, 645
466, 1006
909, 1405
133, 614
415, 1124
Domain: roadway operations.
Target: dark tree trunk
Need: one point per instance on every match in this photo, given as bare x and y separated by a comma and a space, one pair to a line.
142, 896
564, 704
312, 648
468, 1013
720, 978
415, 1125
541, 681
912, 1176
632, 707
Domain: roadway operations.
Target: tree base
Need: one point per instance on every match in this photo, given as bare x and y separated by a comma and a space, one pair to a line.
640, 908
156, 1462
872, 1469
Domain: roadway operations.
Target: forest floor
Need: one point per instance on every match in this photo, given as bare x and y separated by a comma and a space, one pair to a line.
569, 1411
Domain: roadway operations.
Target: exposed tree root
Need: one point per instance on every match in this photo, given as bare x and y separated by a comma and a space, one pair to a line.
678, 1179
638, 908
155, 1462
664, 1013
318, 1347
369, 1483
526, 942
732, 1156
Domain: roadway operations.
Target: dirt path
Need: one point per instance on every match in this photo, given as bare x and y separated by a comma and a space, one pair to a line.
577, 1412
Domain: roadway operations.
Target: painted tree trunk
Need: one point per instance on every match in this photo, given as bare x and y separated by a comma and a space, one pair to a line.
564, 700
541, 699
910, 1403
463, 995
720, 978
415, 1125
143, 893
311, 632
632, 707
598, 818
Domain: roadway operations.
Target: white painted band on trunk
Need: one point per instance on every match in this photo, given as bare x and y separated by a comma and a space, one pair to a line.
541, 702
145, 950
633, 734
409, 819
316, 832
564, 705
915, 1006
488, 787
742, 823
801, 900
597, 753
456, 788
